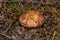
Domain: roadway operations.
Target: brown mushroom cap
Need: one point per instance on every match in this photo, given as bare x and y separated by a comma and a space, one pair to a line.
31, 19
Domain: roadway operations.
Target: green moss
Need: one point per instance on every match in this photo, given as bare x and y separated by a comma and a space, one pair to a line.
58, 10
12, 5
9, 21
27, 8
18, 11
15, 8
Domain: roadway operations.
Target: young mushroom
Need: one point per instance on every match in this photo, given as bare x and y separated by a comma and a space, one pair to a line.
31, 19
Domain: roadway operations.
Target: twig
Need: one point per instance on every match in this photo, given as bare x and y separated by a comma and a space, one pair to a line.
54, 35
10, 26
5, 35
7, 28
46, 34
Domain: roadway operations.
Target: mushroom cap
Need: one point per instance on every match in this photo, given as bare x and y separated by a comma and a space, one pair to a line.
31, 18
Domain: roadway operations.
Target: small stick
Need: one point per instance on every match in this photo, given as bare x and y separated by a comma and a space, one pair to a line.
7, 28
54, 35
5, 35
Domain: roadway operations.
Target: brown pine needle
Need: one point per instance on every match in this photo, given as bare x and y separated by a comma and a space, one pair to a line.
54, 35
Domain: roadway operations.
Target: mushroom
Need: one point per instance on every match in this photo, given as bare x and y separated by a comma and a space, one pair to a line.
31, 19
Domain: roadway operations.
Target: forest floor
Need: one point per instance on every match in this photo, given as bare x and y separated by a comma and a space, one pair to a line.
10, 28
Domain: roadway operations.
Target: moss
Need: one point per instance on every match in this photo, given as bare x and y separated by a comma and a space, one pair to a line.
58, 10
18, 11
9, 21
15, 11
12, 5
27, 8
